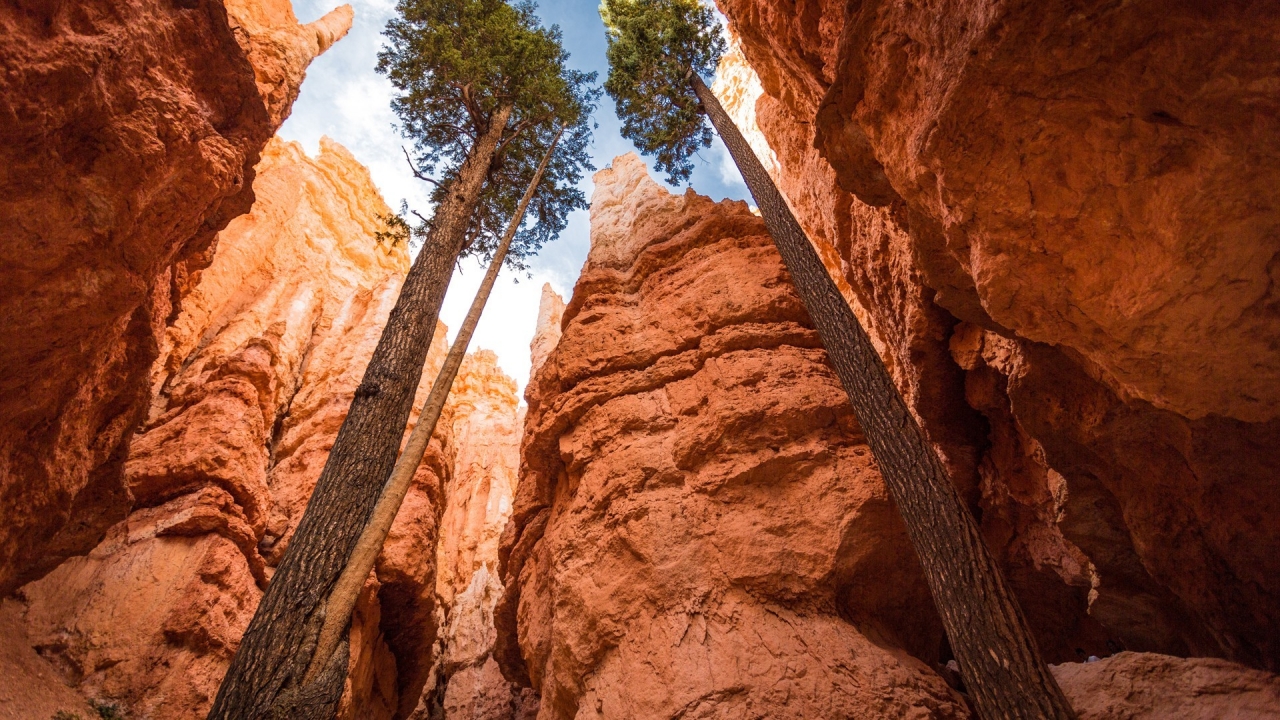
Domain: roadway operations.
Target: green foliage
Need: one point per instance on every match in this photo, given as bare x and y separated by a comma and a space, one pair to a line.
556, 196
397, 232
653, 46
455, 63
108, 710
104, 710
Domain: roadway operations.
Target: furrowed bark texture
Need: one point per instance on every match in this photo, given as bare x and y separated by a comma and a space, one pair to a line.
992, 642
343, 600
277, 648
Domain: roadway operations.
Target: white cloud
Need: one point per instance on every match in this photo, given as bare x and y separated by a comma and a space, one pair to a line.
344, 98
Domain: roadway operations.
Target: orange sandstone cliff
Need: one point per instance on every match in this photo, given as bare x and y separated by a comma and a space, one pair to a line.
254, 380
486, 430
1059, 223
699, 516
129, 130
700, 529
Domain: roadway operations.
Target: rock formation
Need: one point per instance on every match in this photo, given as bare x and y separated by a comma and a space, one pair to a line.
486, 429
128, 136
1146, 686
547, 333
1059, 222
254, 380
666, 555
30, 687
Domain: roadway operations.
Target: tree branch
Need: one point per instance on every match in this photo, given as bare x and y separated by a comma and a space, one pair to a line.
469, 103
416, 173
515, 132
455, 128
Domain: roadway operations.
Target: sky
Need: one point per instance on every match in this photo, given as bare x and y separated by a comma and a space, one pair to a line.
346, 100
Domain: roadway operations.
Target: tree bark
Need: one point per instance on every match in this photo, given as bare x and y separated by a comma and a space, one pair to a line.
277, 648
998, 657
347, 590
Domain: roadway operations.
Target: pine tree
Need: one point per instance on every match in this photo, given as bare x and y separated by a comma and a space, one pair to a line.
481, 88
658, 50
343, 598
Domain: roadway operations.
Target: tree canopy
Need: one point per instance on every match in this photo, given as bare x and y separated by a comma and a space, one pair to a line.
455, 63
653, 46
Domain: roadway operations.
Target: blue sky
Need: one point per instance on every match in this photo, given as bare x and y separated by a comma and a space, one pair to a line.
345, 99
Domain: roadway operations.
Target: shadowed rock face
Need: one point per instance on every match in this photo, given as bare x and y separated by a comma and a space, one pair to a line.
128, 135
1059, 224
254, 380
699, 526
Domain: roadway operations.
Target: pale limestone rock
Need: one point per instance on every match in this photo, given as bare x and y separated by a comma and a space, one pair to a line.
547, 333
624, 196
486, 429
737, 87
486, 432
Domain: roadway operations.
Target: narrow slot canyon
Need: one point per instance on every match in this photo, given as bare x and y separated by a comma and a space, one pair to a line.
1059, 224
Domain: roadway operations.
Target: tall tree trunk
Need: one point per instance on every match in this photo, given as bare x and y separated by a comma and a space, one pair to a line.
998, 658
347, 590
278, 646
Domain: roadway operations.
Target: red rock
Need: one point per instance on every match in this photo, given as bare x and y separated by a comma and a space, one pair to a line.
29, 686
487, 423
1144, 686
253, 382
1074, 200
150, 622
128, 135
699, 527
479, 693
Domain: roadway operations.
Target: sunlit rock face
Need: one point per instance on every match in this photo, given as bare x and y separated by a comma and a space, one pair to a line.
254, 381
128, 136
699, 526
486, 429
1059, 223
547, 333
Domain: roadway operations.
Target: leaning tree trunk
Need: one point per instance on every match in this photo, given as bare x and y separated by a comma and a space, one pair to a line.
266, 673
347, 590
998, 657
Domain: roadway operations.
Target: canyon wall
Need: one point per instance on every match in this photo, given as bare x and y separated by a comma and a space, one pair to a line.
699, 529
252, 384
1059, 223
486, 429
129, 130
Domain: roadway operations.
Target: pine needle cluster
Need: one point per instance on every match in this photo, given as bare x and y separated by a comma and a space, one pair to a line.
653, 47
455, 63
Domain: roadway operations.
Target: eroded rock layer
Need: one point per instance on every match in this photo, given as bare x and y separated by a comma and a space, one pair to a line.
254, 380
700, 530
1059, 222
128, 135
486, 430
